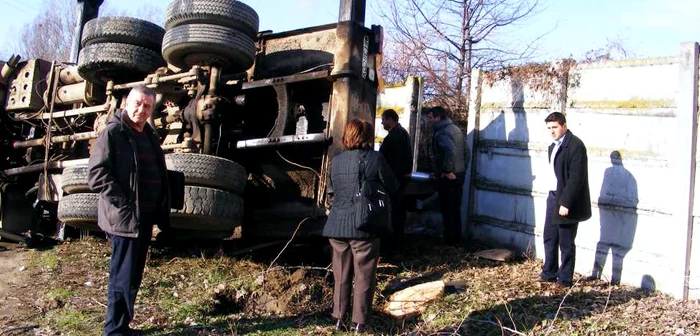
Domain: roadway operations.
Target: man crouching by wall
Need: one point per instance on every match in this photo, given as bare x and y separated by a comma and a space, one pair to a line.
127, 168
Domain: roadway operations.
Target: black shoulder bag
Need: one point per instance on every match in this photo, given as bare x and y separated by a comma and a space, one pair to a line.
372, 205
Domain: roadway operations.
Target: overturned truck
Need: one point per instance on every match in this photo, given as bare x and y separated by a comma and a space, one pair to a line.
251, 118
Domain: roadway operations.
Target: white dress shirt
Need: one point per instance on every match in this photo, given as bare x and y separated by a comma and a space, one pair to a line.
553, 180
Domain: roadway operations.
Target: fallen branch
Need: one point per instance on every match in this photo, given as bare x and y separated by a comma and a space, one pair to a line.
510, 315
255, 248
301, 267
99, 303
500, 326
11, 329
172, 260
289, 242
607, 301
561, 304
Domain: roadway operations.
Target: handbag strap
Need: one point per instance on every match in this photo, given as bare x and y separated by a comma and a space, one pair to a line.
362, 161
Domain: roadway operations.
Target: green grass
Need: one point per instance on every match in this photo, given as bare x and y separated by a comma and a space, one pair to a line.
496, 296
74, 322
43, 261
181, 309
59, 294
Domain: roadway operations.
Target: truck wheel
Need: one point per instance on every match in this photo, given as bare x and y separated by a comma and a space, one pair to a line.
187, 45
208, 209
208, 171
116, 61
229, 13
75, 180
123, 30
79, 210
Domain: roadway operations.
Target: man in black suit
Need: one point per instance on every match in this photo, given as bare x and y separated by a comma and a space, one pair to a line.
396, 149
568, 202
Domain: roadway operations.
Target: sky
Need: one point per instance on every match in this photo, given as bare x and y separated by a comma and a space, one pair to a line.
645, 28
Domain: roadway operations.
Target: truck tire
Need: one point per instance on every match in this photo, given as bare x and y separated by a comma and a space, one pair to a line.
79, 210
208, 171
229, 13
208, 209
100, 62
119, 29
191, 44
75, 180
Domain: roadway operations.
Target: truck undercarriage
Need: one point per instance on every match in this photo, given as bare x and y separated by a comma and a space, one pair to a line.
251, 118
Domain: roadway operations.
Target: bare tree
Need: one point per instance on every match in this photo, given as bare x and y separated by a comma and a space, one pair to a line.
613, 49
50, 34
146, 11
442, 40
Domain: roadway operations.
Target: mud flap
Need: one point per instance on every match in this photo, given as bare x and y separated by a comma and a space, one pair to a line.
176, 180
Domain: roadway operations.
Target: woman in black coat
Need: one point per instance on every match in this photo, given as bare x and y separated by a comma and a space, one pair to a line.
354, 251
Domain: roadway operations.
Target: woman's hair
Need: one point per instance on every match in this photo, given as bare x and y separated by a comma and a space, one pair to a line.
359, 134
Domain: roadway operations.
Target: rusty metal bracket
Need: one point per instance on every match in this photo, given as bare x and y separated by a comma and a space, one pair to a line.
283, 140
286, 79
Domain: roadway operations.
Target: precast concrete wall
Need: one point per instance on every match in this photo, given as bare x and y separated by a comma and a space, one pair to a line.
638, 120
406, 99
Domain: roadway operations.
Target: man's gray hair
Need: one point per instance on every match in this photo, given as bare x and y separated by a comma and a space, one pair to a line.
143, 90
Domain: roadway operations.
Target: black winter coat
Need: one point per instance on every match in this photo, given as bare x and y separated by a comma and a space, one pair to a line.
397, 151
113, 173
571, 169
345, 183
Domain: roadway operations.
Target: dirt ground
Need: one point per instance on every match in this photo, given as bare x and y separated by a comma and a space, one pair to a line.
13, 263
215, 288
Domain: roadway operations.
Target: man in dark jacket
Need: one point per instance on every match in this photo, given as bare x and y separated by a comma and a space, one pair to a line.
568, 202
396, 149
127, 168
449, 147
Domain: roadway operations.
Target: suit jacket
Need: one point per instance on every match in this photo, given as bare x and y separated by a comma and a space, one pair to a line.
571, 170
396, 149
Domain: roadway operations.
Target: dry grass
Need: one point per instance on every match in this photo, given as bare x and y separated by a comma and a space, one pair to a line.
206, 291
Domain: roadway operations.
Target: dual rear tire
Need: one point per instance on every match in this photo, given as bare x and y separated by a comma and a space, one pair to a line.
119, 49
212, 201
210, 32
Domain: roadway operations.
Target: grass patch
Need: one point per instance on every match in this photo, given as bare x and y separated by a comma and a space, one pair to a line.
43, 261
181, 310
184, 290
74, 322
59, 294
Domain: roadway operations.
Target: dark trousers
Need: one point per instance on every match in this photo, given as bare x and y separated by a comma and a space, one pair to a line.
450, 192
354, 259
398, 220
125, 275
558, 237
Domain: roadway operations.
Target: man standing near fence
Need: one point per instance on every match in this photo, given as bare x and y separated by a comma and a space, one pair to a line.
449, 147
396, 149
568, 202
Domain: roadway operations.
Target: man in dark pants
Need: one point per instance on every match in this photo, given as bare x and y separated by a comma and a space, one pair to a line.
449, 147
396, 149
127, 168
568, 202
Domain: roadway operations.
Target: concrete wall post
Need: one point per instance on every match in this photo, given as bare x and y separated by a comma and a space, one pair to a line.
686, 151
